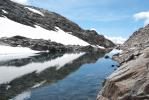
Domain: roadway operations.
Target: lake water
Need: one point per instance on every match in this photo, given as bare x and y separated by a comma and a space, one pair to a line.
60, 76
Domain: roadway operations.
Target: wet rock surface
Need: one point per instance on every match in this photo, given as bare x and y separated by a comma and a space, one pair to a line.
130, 80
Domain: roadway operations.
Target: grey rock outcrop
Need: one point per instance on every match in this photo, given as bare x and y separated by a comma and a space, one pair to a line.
131, 80
139, 39
46, 45
34, 44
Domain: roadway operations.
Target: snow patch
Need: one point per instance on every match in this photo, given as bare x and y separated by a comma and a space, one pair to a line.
9, 28
101, 47
35, 11
9, 73
93, 29
4, 11
97, 46
116, 51
9, 53
20, 1
8, 87
113, 52
7, 50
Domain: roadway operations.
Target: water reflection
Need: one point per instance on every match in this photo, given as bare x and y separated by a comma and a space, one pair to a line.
18, 75
39, 58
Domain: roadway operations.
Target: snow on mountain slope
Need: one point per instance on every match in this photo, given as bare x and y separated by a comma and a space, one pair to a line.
32, 16
20, 1
16, 72
9, 28
35, 11
4, 50
4, 11
7, 52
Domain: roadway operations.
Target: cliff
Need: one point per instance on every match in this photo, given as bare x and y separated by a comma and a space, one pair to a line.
131, 80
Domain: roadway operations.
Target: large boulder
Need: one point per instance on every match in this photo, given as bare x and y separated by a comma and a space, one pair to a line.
130, 81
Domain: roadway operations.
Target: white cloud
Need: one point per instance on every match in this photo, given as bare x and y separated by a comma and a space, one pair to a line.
21, 1
142, 15
116, 40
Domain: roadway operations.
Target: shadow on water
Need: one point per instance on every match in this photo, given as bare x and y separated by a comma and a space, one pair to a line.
47, 77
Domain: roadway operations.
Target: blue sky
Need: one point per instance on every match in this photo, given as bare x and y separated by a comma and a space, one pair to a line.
113, 18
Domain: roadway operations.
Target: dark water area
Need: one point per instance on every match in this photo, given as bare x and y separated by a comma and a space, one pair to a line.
69, 76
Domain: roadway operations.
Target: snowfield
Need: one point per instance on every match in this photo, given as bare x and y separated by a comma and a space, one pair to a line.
4, 50
8, 53
9, 28
97, 46
4, 11
10, 73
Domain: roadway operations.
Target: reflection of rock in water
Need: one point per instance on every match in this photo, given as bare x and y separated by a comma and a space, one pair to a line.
48, 76
24, 61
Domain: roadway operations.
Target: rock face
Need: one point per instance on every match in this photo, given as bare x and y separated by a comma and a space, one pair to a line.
131, 80
46, 45
139, 38
49, 20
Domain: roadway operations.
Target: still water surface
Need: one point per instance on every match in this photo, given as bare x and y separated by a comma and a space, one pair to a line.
69, 76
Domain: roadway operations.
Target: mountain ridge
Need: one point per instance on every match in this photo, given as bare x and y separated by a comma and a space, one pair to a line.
50, 20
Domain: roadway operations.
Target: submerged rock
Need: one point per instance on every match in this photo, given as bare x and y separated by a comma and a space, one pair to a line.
106, 57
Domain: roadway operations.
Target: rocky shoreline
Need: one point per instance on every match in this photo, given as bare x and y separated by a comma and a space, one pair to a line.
47, 45
131, 80
48, 76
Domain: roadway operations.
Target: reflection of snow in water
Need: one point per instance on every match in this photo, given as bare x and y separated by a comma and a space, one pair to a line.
38, 84
22, 96
10, 73
26, 95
